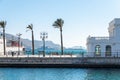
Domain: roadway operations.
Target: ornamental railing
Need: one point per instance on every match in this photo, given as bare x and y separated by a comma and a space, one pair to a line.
87, 54
99, 38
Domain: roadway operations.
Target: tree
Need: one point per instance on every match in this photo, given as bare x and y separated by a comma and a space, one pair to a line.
31, 28
3, 24
59, 24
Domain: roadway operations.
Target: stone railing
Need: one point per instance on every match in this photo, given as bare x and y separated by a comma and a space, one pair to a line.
92, 39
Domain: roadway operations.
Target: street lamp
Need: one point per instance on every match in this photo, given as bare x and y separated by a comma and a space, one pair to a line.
43, 36
19, 43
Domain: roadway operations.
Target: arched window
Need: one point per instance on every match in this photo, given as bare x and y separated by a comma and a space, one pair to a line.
97, 50
108, 50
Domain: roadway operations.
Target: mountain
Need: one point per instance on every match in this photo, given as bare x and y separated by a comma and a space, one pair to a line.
28, 43
76, 47
38, 44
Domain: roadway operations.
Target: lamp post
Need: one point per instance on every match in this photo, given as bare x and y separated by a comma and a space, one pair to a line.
19, 35
43, 36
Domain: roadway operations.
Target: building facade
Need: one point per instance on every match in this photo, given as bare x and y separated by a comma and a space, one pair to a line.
12, 47
106, 46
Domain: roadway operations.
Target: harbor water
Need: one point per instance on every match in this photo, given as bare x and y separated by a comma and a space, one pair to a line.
59, 74
66, 51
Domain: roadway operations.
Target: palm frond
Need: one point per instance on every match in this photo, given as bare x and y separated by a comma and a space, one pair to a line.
55, 25
30, 26
58, 23
2, 24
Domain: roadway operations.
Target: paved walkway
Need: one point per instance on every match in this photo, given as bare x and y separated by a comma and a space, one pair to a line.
38, 56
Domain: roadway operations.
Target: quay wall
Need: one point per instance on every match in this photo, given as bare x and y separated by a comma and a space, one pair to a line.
55, 62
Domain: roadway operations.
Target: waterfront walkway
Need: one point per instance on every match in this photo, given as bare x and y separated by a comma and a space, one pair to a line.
59, 61
39, 56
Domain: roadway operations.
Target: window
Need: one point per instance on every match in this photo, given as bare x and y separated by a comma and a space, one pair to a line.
108, 50
97, 50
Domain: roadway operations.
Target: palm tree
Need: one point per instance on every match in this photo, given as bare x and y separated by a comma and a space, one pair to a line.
2, 24
31, 28
59, 24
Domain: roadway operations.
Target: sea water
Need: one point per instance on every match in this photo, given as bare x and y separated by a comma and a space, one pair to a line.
66, 51
59, 74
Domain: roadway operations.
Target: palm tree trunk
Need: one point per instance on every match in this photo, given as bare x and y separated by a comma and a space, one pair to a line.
32, 43
4, 41
61, 42
43, 46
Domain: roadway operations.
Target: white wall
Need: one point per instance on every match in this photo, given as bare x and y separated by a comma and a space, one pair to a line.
113, 40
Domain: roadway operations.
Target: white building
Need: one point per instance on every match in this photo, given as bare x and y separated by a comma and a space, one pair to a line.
11, 46
106, 46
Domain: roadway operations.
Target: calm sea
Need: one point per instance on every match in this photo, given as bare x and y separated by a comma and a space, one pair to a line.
58, 74
68, 51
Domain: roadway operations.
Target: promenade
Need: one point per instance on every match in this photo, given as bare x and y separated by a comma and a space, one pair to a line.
55, 61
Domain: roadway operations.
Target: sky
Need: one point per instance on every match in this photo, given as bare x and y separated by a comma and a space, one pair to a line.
81, 18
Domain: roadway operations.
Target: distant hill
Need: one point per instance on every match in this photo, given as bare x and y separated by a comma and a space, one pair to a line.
38, 44
27, 43
77, 47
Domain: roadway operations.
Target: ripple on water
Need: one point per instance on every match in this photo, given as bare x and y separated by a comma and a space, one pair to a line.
58, 74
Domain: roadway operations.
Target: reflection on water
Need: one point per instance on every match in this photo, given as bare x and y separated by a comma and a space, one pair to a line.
58, 74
